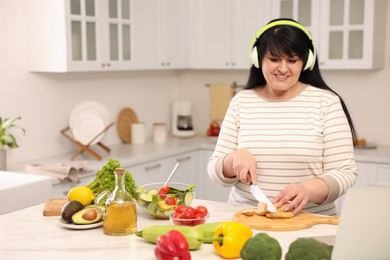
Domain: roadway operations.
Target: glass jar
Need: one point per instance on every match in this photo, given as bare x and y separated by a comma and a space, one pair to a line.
120, 216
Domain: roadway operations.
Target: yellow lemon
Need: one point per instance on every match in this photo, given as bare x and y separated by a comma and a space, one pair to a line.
82, 194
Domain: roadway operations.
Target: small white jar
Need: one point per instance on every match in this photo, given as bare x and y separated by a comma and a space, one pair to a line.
138, 133
159, 133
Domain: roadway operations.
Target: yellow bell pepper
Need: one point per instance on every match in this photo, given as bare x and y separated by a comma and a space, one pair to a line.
230, 237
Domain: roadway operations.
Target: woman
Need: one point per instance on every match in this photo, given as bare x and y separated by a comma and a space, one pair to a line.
287, 131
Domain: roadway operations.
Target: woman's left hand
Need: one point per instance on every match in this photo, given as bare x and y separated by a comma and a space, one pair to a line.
297, 195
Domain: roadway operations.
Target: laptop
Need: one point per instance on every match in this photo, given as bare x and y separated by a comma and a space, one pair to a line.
364, 229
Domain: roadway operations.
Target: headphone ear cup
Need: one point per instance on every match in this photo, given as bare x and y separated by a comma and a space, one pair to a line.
255, 58
311, 60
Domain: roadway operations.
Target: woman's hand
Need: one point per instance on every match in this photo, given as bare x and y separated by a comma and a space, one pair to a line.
241, 164
299, 194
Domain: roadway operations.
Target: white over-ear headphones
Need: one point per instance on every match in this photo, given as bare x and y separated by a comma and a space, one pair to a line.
311, 59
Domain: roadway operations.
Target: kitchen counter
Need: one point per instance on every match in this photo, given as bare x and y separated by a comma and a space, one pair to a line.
133, 154
28, 234
129, 154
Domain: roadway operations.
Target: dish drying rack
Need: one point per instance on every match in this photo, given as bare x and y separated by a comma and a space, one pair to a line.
86, 147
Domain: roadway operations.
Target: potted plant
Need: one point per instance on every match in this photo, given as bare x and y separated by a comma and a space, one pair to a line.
7, 139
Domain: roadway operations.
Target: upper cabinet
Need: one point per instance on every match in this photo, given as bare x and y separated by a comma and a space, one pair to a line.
80, 35
105, 35
222, 31
347, 33
108, 35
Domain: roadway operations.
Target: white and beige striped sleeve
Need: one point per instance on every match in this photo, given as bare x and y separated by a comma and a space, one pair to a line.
227, 142
339, 167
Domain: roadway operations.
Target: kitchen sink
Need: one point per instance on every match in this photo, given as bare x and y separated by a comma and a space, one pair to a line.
21, 190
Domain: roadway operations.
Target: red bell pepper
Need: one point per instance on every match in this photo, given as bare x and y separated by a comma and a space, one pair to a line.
172, 246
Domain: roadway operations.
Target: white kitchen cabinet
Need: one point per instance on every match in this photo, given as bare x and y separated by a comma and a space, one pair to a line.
163, 27
370, 174
347, 33
222, 30
373, 174
187, 171
210, 190
379, 174
149, 172
90, 35
159, 170
173, 34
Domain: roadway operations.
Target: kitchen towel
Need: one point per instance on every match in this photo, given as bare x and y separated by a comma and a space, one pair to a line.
220, 97
64, 171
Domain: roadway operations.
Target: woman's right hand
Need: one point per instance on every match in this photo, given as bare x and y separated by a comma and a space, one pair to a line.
241, 164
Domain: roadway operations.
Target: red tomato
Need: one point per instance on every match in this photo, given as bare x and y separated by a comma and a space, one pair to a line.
187, 214
198, 220
202, 211
190, 211
215, 131
170, 201
180, 208
162, 195
177, 215
165, 189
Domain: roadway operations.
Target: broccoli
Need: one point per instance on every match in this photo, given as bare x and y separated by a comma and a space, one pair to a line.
105, 179
261, 246
308, 248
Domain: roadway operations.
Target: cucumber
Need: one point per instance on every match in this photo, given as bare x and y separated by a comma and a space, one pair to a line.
208, 229
146, 197
153, 192
188, 198
193, 236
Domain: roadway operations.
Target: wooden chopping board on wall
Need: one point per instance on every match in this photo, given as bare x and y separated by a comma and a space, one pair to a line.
302, 220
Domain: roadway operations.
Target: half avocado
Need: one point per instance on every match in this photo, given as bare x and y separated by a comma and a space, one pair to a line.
88, 215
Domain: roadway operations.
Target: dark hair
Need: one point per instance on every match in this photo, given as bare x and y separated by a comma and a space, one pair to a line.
289, 40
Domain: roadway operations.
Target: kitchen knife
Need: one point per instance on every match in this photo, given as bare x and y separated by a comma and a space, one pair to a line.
261, 197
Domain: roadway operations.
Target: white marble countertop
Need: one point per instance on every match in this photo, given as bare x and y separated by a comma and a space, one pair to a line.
27, 234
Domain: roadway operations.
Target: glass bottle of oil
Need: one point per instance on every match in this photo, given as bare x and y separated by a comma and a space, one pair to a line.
121, 214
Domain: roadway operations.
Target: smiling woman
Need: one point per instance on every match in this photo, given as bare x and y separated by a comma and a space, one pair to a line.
287, 131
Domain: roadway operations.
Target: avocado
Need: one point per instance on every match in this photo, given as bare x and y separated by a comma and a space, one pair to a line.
69, 209
88, 215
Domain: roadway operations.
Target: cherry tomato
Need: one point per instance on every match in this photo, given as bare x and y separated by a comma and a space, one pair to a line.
170, 201
165, 189
191, 209
202, 211
187, 214
180, 208
198, 220
162, 194
177, 215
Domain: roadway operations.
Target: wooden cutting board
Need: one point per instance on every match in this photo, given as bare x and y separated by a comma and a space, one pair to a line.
300, 221
53, 207
125, 118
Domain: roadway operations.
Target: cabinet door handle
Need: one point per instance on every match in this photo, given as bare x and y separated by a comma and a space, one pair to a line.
183, 159
148, 168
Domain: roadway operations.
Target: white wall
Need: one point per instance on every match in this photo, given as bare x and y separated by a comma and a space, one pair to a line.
45, 100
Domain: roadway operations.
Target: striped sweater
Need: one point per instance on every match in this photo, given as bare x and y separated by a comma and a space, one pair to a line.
305, 137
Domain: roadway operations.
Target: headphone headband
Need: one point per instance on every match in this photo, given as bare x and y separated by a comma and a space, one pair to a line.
312, 55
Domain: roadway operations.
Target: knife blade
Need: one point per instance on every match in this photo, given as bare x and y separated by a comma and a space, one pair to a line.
261, 197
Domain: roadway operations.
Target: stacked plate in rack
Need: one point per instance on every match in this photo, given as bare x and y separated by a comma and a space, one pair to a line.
87, 122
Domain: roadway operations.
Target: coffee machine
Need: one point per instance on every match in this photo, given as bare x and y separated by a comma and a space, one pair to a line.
182, 119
